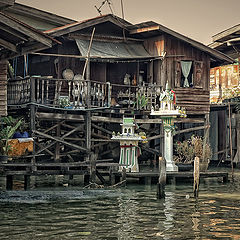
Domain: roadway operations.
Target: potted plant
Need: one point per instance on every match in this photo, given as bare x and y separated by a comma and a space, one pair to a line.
187, 150
8, 128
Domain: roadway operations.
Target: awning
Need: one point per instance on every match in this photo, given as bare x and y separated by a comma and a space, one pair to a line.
112, 50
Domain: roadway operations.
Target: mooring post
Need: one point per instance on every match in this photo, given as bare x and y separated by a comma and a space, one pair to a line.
86, 179
33, 120
162, 178
93, 159
124, 176
196, 175
111, 176
26, 182
9, 184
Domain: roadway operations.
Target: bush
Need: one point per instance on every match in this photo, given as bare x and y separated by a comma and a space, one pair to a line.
187, 150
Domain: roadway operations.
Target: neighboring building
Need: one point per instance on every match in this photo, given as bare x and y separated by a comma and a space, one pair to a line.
225, 88
225, 80
16, 39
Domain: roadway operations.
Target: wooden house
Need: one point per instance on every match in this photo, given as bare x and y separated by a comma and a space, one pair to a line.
106, 68
224, 80
16, 39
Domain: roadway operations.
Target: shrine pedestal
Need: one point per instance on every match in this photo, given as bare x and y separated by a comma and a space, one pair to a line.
168, 152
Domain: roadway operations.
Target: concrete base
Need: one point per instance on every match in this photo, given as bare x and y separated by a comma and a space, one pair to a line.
171, 167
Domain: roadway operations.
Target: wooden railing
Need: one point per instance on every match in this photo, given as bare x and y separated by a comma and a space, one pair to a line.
81, 94
136, 97
18, 91
72, 94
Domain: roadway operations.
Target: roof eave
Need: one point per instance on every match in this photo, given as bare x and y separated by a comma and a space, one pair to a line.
212, 52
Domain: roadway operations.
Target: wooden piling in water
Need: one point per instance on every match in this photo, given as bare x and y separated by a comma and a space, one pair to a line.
124, 176
93, 159
162, 178
9, 183
26, 182
196, 175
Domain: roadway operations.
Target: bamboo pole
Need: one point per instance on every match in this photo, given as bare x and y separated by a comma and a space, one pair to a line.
88, 53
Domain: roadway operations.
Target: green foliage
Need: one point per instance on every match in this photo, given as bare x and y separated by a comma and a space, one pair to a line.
141, 101
10, 126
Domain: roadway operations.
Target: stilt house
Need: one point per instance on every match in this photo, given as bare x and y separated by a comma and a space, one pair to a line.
77, 92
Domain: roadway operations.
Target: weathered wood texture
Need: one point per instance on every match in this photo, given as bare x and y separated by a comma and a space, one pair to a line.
162, 178
196, 98
195, 101
3, 88
196, 175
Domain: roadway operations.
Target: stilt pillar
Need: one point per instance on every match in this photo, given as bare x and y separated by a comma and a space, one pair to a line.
26, 182
9, 184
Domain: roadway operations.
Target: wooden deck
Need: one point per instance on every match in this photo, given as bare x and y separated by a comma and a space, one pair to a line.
151, 176
107, 172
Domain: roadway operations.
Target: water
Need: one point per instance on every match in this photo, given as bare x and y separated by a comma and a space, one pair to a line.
127, 213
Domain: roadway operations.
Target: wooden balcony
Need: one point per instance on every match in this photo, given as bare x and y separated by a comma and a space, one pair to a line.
81, 94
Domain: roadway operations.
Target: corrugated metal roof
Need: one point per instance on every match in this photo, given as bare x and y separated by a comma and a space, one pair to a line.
100, 49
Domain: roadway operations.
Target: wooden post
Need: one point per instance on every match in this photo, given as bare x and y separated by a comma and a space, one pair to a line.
230, 136
93, 159
111, 176
86, 179
33, 119
196, 175
237, 156
124, 176
26, 182
162, 178
57, 149
9, 184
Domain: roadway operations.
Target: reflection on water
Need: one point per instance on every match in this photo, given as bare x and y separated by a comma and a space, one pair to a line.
130, 213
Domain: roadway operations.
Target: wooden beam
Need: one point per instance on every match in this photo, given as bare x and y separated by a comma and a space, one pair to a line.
192, 129
61, 141
8, 45
101, 129
85, 24
219, 37
145, 29
6, 3
26, 30
14, 32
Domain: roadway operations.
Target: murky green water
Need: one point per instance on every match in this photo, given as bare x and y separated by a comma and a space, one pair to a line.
129, 213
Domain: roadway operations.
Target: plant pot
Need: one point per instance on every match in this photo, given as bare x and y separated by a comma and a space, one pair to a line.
203, 166
3, 158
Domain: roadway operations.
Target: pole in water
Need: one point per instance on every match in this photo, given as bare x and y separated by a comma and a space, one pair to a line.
196, 177
162, 178
124, 176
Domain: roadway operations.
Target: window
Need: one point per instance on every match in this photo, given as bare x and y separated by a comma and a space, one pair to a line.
188, 74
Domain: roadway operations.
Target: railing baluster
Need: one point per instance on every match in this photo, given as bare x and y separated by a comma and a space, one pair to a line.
103, 95
47, 89
43, 81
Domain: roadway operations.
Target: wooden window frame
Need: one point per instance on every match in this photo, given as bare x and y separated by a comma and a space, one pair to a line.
197, 80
